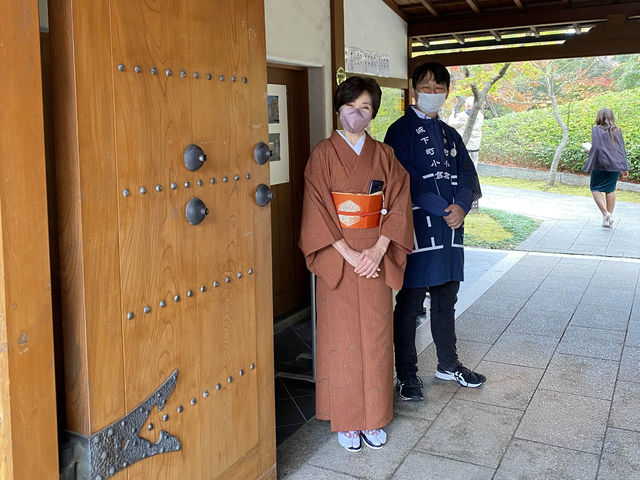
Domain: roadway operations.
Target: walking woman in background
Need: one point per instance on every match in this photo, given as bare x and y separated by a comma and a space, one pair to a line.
356, 231
607, 158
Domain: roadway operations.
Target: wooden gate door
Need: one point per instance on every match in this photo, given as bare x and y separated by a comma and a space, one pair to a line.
166, 255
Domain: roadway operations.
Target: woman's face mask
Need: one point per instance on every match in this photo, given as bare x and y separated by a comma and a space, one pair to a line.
431, 102
354, 120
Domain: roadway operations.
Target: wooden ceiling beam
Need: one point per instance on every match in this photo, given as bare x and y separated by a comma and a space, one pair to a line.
535, 31
519, 5
517, 19
496, 35
474, 7
429, 6
565, 4
458, 38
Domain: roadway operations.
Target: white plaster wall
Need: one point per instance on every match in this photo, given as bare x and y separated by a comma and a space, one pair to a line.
372, 25
298, 32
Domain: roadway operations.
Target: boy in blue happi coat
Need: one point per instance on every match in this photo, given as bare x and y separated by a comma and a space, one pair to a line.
444, 183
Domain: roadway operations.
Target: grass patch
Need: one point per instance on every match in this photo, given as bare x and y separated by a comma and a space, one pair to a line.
541, 186
490, 228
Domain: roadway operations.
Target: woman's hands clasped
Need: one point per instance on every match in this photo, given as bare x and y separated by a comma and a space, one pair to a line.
365, 263
370, 259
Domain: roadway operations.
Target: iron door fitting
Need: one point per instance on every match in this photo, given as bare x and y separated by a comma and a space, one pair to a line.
262, 153
263, 195
194, 157
196, 211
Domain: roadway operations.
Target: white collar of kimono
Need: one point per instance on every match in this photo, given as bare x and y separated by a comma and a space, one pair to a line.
358, 146
422, 115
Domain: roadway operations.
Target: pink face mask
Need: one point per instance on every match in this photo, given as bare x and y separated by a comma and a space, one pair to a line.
354, 120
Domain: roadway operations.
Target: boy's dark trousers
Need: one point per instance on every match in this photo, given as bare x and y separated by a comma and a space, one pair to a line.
409, 303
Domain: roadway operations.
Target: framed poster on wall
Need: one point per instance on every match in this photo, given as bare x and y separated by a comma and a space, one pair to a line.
278, 133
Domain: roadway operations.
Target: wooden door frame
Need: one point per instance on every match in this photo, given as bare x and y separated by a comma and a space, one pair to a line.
299, 138
27, 389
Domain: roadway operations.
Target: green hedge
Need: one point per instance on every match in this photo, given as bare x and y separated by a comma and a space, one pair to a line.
530, 138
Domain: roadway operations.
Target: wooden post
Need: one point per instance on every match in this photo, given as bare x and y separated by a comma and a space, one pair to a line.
28, 429
337, 45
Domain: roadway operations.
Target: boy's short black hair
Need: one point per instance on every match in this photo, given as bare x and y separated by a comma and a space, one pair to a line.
439, 71
353, 87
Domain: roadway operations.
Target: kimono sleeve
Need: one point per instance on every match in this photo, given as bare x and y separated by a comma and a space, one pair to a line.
319, 226
397, 224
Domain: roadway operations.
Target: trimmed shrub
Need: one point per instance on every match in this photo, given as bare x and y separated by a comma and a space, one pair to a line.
529, 139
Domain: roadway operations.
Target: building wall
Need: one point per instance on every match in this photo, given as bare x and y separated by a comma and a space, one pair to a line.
372, 25
298, 32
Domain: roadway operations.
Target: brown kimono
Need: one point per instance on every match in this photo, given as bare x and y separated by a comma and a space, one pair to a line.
354, 355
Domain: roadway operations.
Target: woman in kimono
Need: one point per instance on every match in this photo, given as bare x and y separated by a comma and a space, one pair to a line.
356, 231
607, 158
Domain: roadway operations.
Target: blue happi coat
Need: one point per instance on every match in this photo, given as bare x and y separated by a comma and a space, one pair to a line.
441, 173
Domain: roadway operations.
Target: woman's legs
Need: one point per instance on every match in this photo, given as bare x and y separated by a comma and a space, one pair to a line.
610, 201
600, 202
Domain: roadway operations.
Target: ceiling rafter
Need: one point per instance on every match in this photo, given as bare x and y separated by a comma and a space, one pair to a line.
429, 6
535, 31
458, 38
566, 4
519, 4
514, 19
496, 35
474, 7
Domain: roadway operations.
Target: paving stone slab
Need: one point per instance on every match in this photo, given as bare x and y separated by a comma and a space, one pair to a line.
619, 267
595, 317
296, 450
534, 321
510, 386
592, 342
471, 432
557, 302
419, 466
480, 328
629, 364
557, 283
522, 349
526, 460
608, 299
560, 419
633, 334
402, 434
510, 288
505, 306
620, 456
590, 377
607, 283
625, 410
309, 472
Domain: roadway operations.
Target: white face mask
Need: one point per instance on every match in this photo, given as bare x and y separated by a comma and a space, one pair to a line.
431, 102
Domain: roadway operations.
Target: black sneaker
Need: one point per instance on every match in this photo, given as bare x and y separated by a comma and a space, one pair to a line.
410, 388
462, 375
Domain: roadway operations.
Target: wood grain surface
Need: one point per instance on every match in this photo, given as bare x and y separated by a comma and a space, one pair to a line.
142, 241
27, 375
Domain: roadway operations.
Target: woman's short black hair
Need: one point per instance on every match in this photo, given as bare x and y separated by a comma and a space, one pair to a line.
353, 87
439, 72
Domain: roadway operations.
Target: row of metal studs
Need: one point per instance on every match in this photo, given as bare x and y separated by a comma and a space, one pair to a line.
183, 73
147, 309
205, 394
143, 190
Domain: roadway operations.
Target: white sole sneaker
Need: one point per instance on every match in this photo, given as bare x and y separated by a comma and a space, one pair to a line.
459, 379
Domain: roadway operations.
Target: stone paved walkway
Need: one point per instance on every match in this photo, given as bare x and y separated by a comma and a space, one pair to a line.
571, 224
559, 340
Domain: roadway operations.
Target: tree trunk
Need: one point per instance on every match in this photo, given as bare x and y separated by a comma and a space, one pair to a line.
492, 107
551, 181
479, 98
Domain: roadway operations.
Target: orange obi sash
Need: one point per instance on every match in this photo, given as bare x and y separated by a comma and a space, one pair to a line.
358, 210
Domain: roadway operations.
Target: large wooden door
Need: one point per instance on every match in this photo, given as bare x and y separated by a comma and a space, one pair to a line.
167, 345
290, 275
